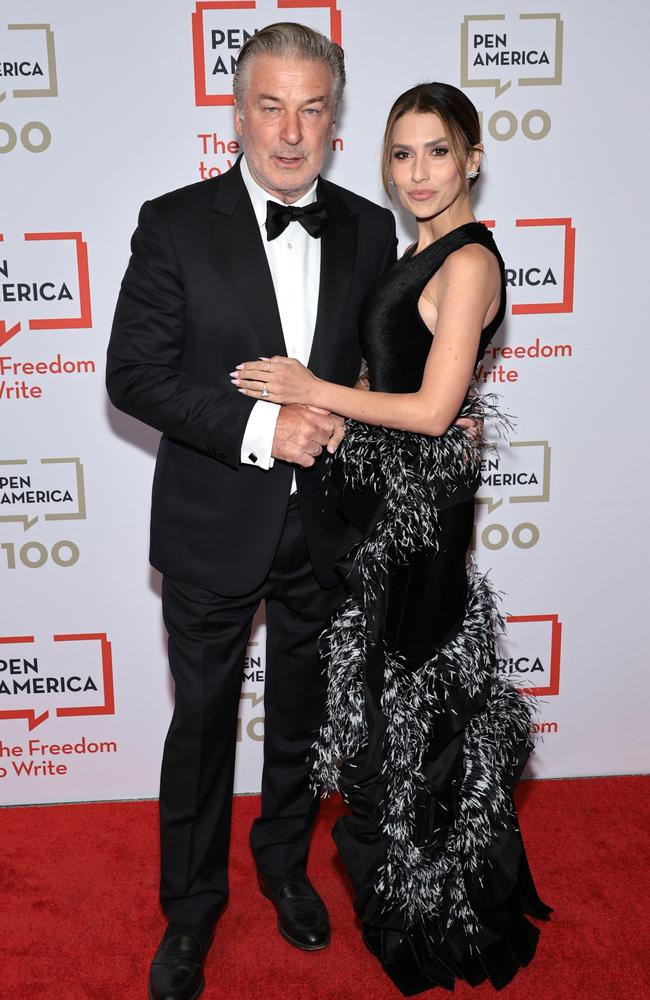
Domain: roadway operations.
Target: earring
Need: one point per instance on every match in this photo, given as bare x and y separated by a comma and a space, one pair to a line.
471, 174
391, 183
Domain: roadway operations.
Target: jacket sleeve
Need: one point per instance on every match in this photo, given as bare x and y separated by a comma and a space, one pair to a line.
144, 376
390, 248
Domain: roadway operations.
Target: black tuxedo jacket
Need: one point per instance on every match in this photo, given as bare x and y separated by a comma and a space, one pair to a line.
196, 299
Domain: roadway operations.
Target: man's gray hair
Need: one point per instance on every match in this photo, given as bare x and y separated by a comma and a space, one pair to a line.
288, 40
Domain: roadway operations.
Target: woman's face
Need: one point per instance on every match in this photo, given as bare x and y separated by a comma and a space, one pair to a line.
423, 167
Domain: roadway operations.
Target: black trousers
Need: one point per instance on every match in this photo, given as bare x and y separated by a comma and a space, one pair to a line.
207, 642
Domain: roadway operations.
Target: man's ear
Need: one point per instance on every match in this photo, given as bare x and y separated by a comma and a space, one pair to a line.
238, 120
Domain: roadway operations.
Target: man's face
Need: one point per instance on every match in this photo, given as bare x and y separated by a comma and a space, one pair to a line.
286, 123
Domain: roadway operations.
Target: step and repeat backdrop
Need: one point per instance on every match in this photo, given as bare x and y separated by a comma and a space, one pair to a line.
105, 105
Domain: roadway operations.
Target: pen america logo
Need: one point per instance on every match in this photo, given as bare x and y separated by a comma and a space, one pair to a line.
40, 492
540, 263
531, 651
50, 489
221, 27
540, 260
515, 472
539, 255
503, 53
498, 50
66, 676
44, 286
27, 70
519, 472
44, 283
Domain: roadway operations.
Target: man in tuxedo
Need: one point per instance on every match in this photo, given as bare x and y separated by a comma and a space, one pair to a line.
267, 259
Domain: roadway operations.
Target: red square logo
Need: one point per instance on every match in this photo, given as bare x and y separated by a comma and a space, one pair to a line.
531, 653
221, 27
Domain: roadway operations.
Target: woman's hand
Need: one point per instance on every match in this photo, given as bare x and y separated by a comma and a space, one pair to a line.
276, 380
473, 427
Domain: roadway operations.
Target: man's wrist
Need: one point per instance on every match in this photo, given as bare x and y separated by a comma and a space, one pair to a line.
257, 444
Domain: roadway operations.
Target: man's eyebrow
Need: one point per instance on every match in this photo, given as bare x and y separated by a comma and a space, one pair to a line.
278, 100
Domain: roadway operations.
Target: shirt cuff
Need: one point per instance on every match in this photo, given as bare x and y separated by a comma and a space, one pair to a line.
258, 437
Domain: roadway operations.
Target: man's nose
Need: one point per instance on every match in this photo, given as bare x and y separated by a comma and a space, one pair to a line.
291, 131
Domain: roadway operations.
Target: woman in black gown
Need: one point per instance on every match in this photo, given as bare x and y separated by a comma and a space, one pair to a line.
424, 738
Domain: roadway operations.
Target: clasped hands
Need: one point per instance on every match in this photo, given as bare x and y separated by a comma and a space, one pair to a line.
301, 431
287, 381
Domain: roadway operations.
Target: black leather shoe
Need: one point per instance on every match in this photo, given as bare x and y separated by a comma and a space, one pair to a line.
177, 968
302, 917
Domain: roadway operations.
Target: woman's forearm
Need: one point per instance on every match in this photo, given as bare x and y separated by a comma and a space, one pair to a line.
407, 411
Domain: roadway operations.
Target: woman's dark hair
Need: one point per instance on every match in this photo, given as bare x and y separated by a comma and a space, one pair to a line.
455, 111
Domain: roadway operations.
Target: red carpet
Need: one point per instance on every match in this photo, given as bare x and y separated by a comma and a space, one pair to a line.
80, 918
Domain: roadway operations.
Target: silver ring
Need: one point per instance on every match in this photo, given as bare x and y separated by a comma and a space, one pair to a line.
268, 367
265, 392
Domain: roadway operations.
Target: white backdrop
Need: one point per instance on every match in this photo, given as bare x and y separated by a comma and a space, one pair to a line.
105, 105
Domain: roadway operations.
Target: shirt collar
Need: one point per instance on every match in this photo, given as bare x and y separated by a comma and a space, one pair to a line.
259, 196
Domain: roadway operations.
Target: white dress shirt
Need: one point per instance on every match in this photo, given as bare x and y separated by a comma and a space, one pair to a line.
294, 262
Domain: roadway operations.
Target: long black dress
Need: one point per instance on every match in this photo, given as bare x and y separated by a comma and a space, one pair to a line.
424, 738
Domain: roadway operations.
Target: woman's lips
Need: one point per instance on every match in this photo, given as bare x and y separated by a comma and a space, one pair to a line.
421, 195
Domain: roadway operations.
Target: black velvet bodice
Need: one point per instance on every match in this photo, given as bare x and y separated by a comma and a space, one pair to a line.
395, 340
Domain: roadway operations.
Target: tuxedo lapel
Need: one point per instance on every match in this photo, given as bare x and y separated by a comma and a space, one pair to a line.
242, 257
338, 251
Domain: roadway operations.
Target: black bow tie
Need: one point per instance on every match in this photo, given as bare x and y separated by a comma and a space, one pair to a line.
311, 217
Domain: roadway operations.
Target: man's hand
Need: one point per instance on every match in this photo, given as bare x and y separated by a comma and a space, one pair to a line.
339, 428
302, 432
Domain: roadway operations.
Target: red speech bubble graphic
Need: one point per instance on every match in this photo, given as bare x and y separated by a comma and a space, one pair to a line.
202, 97
107, 707
84, 319
555, 652
566, 304
568, 268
